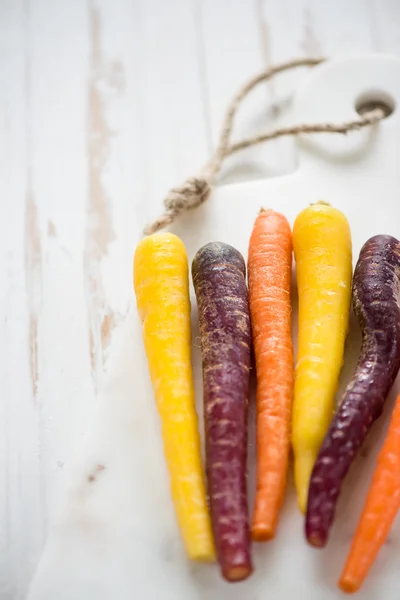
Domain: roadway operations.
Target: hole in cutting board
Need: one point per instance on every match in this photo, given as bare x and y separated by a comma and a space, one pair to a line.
375, 99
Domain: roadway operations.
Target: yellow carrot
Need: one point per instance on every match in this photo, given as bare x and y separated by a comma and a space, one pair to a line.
162, 291
322, 248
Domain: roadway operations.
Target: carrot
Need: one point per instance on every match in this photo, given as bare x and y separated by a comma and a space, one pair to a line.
322, 249
162, 291
376, 299
381, 507
269, 274
219, 277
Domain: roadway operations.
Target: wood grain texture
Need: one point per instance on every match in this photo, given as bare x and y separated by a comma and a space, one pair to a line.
103, 106
99, 232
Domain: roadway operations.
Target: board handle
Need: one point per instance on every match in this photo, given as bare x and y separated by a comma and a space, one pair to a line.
340, 90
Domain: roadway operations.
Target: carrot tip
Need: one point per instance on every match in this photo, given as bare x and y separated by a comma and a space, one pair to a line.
349, 586
315, 540
238, 573
262, 533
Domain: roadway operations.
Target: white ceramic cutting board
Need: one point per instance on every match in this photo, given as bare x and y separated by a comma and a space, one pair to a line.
115, 535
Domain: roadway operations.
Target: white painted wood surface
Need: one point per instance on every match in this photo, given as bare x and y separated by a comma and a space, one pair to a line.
103, 106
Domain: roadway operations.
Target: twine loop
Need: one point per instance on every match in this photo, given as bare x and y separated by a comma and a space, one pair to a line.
196, 190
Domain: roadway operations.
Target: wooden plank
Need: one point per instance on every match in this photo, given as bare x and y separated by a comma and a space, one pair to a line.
235, 47
169, 93
21, 467
57, 105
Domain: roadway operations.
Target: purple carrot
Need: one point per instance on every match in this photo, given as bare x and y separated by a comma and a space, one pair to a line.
219, 277
376, 300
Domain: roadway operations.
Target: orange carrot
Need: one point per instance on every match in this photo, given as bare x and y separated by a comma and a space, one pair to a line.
269, 272
380, 509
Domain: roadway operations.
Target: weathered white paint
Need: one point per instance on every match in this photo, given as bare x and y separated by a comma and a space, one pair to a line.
103, 106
